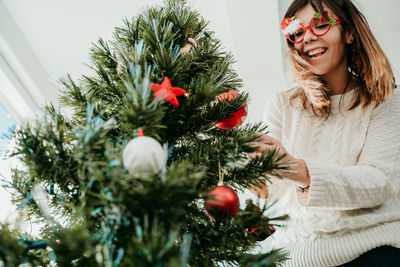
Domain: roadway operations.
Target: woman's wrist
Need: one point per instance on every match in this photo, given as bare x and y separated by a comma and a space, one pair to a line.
304, 181
298, 173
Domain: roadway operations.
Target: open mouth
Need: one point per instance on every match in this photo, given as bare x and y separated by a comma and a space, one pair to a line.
316, 53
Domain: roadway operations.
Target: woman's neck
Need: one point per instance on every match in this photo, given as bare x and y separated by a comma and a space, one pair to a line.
337, 80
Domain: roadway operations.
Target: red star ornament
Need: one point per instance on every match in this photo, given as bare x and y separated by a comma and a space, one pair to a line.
167, 92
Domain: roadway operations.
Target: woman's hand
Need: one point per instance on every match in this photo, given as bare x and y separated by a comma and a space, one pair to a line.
297, 173
261, 190
264, 142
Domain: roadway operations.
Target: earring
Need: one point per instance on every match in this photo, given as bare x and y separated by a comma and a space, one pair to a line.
350, 40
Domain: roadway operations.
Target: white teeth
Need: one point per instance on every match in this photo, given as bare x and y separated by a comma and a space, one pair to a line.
316, 51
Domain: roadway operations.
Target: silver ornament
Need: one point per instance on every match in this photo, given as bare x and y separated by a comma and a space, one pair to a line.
144, 156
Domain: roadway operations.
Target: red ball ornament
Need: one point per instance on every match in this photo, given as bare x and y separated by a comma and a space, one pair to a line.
222, 202
236, 118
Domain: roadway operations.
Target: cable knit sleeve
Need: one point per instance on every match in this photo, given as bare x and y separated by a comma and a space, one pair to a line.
273, 118
376, 176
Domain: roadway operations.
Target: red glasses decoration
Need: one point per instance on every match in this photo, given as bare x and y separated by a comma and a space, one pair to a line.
319, 25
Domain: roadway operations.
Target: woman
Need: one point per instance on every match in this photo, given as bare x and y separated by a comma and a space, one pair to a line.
340, 131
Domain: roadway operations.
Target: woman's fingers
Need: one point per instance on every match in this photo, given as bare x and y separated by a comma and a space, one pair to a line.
260, 148
265, 142
263, 138
252, 155
261, 191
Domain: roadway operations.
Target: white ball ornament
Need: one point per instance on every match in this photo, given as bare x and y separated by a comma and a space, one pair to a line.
144, 156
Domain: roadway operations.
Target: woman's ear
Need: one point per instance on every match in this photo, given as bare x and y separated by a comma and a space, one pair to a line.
349, 38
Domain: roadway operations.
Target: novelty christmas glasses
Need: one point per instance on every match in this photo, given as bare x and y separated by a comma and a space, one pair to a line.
319, 25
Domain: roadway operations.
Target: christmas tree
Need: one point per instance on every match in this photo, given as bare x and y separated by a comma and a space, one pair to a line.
143, 171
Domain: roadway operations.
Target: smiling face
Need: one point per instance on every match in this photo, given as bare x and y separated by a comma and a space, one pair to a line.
325, 53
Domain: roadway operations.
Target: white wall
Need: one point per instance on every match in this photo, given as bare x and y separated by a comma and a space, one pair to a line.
61, 32
256, 35
24, 83
250, 30
383, 19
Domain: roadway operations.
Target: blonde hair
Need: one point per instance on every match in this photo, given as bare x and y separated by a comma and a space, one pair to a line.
366, 61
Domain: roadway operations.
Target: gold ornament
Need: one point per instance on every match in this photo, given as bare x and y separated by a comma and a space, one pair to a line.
122, 63
189, 47
187, 50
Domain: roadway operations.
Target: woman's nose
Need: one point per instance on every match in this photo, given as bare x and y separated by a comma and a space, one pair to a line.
309, 36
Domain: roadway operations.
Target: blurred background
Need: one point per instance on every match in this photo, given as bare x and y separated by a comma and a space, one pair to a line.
42, 41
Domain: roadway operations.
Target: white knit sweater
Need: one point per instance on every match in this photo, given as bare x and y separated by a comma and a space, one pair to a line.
354, 163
